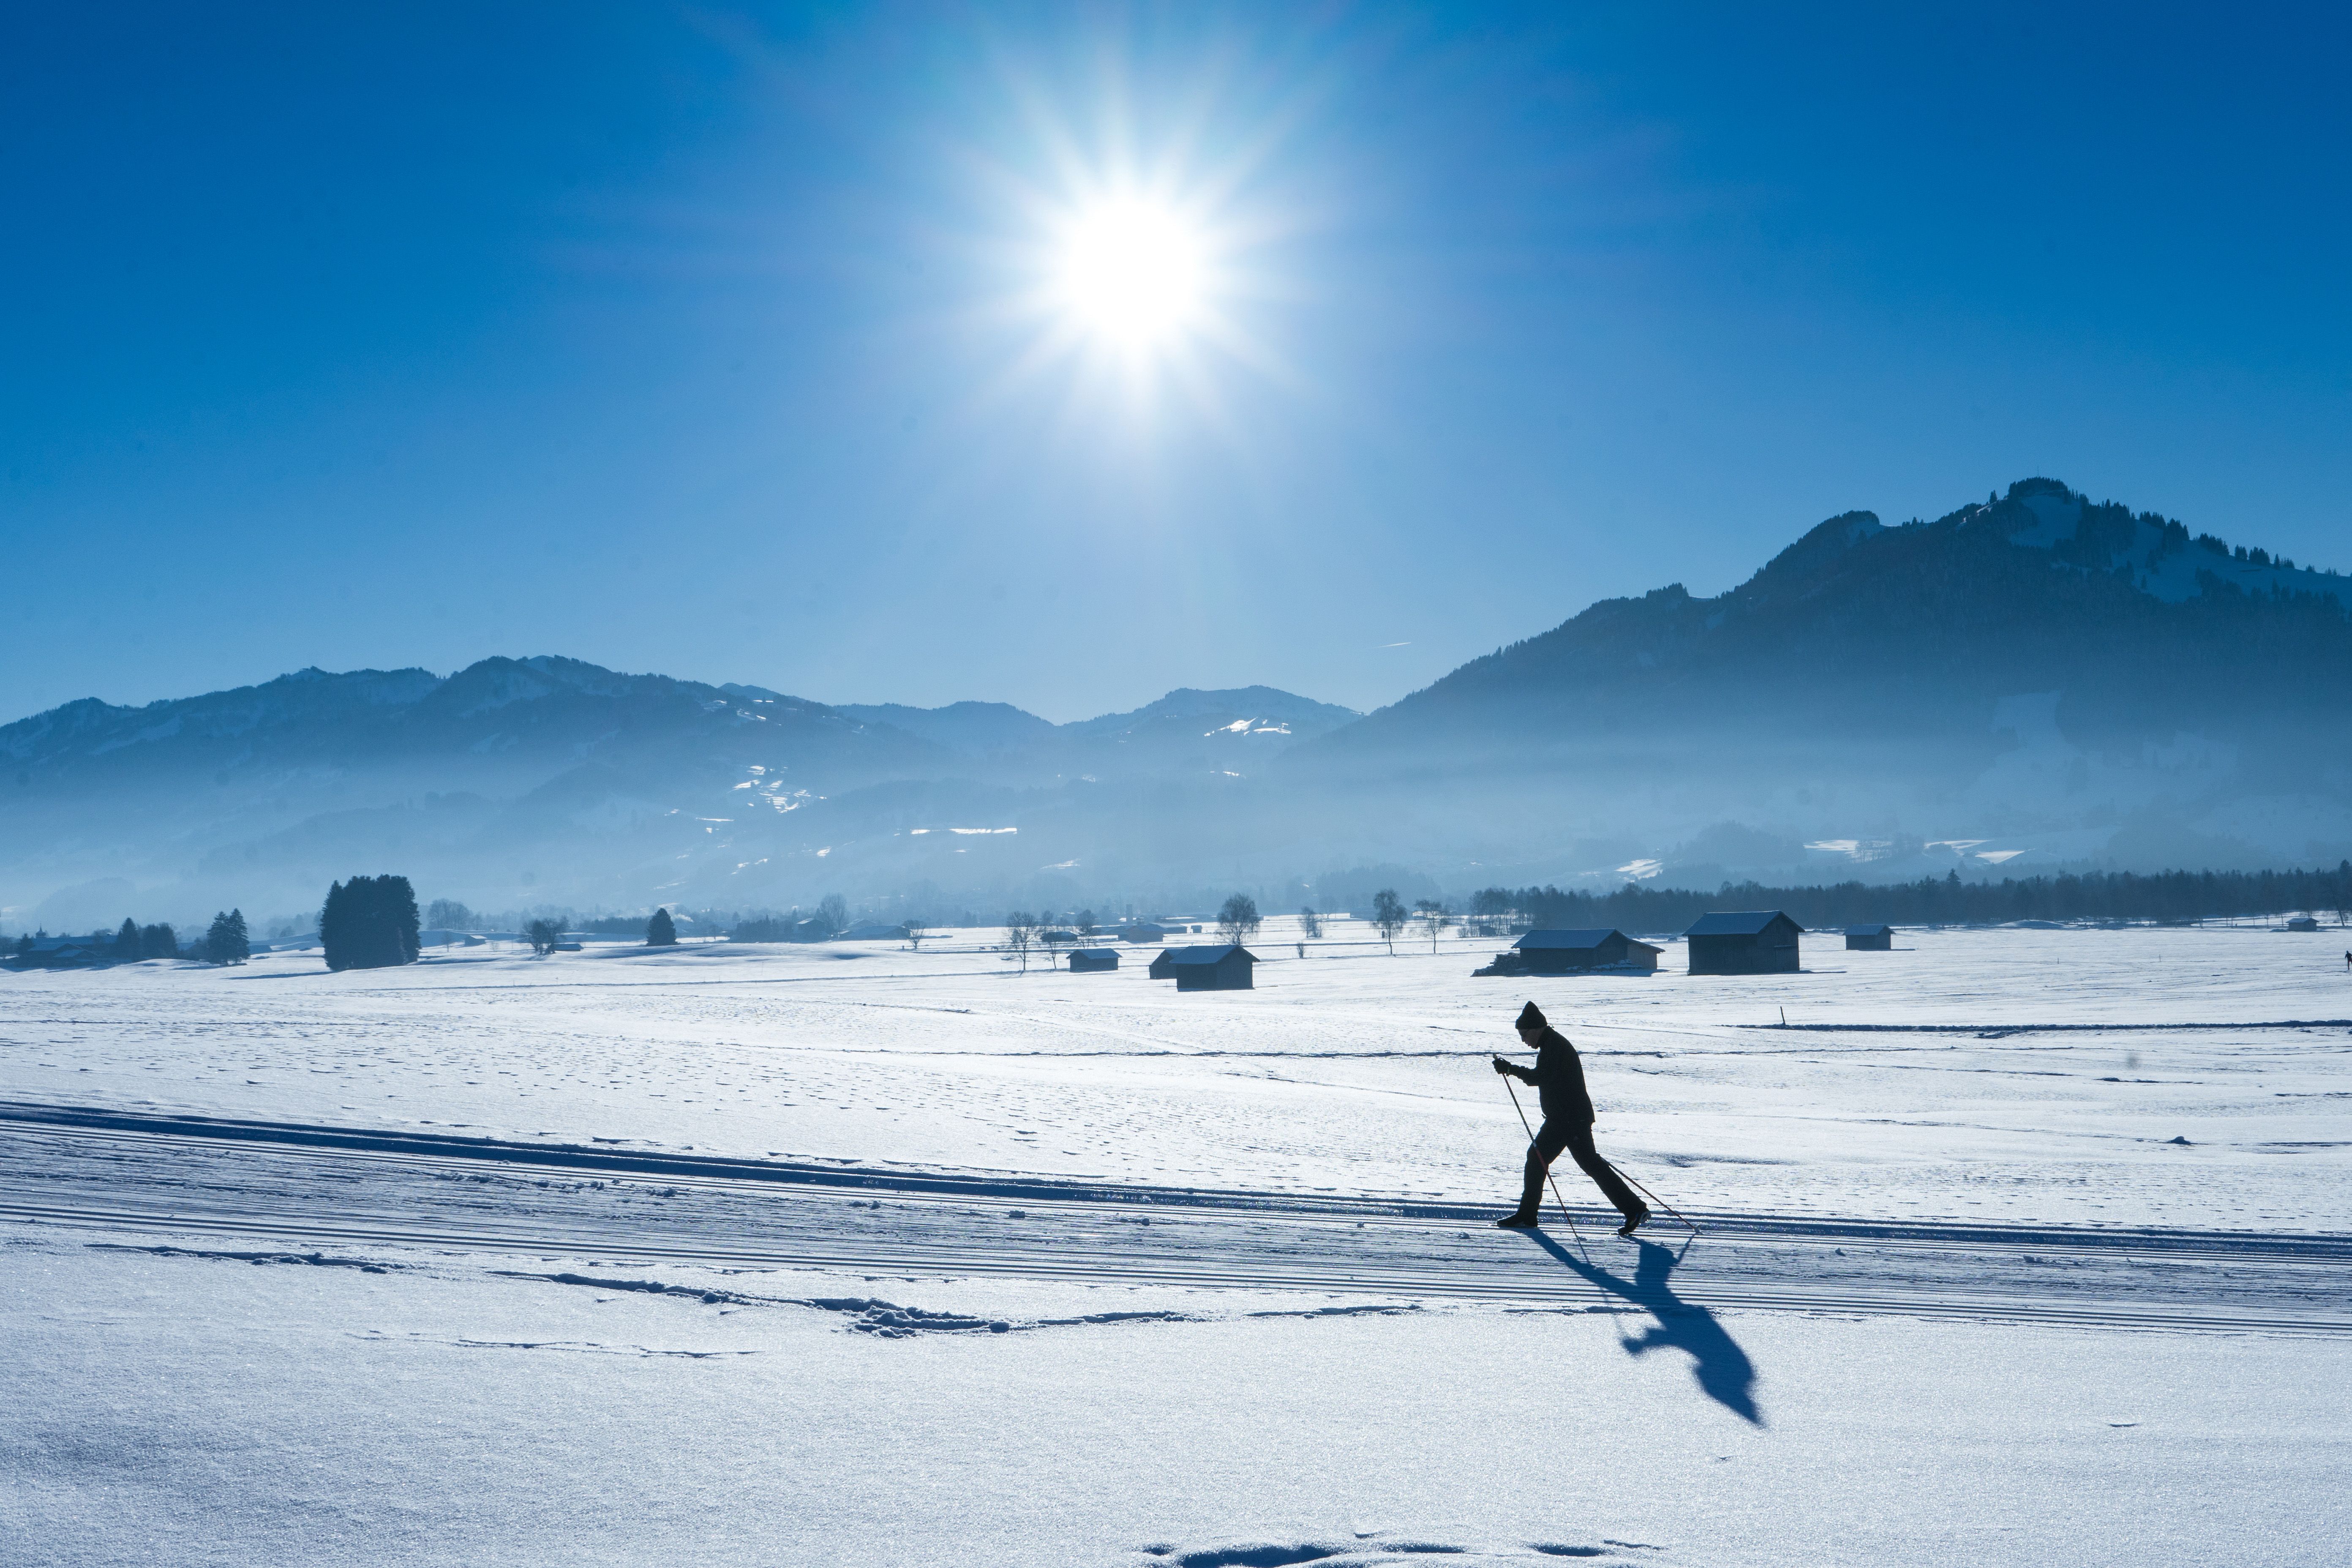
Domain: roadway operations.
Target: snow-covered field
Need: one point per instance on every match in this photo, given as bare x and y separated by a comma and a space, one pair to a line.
2023, 1245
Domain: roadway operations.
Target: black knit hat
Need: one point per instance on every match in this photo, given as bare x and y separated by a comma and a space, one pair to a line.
1531, 1018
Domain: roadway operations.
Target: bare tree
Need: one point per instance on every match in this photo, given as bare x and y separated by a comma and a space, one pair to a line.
1434, 912
1237, 922
834, 910
542, 935
915, 928
1310, 924
1085, 923
1388, 914
1021, 935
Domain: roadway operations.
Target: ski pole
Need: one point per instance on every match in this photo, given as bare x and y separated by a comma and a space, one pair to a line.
1658, 1200
1548, 1175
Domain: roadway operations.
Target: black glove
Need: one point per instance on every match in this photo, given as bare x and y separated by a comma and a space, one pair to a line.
1502, 1066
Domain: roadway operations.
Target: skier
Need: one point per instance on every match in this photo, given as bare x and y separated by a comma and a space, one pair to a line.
1558, 1078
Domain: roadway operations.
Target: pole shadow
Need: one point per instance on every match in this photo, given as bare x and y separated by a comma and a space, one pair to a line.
1722, 1369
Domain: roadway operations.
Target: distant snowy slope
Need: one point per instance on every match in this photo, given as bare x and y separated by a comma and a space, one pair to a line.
1866, 682
530, 763
1262, 708
1186, 732
975, 729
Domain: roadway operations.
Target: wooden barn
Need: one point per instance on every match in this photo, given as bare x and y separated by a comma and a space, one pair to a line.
1575, 952
1224, 966
1093, 960
1748, 942
1869, 939
2303, 922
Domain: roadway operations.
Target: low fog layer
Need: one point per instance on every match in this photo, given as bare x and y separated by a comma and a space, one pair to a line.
2034, 681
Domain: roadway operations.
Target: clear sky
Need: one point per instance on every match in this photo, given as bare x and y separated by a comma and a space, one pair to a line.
771, 344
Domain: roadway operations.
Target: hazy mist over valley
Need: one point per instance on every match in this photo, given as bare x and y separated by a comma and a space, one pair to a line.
2031, 682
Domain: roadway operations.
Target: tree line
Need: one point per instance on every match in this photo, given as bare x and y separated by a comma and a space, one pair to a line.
226, 942
2171, 898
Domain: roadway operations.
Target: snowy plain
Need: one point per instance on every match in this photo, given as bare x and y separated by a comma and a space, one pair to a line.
2023, 1245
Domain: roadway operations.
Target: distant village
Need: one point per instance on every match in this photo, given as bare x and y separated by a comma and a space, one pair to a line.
374, 923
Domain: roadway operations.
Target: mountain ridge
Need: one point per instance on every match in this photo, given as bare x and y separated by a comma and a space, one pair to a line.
2036, 678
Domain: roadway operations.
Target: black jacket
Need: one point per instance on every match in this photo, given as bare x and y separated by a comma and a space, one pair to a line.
1559, 1079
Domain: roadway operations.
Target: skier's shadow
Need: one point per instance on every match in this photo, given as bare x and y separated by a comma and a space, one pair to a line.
1722, 1368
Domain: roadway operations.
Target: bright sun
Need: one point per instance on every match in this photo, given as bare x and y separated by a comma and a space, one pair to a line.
1133, 272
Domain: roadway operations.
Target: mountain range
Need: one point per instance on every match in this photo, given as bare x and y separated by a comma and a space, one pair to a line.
2036, 680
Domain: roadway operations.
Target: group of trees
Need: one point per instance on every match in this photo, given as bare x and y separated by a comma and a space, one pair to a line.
1026, 932
829, 920
135, 941
1390, 917
2170, 897
226, 940
449, 914
368, 922
224, 943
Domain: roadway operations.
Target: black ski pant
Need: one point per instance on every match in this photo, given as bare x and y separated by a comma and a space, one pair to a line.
1576, 1138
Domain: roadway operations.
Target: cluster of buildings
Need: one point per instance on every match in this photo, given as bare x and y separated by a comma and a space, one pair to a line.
1748, 942
1743, 941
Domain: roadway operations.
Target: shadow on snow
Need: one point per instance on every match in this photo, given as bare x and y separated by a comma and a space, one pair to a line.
1722, 1368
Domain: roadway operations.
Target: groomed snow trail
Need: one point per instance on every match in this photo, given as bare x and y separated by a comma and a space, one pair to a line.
97, 1170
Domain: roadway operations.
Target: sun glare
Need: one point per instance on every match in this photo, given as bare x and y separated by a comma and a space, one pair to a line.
1133, 272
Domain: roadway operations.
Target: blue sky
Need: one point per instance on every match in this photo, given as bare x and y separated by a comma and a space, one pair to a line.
723, 342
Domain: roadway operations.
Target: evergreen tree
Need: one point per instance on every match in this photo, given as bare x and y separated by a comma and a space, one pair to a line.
126, 942
397, 901
368, 922
158, 942
661, 931
224, 941
337, 932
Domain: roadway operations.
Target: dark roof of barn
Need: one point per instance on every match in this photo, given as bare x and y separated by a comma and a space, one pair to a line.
1569, 938
1215, 954
1572, 941
1739, 923
1868, 931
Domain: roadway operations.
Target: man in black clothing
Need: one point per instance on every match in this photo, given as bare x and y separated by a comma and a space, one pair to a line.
1558, 1078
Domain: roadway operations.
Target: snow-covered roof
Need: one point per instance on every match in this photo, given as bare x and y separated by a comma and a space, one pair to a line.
1214, 954
1740, 922
1868, 931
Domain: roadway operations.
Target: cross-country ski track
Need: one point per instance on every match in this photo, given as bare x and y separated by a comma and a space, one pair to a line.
111, 1172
